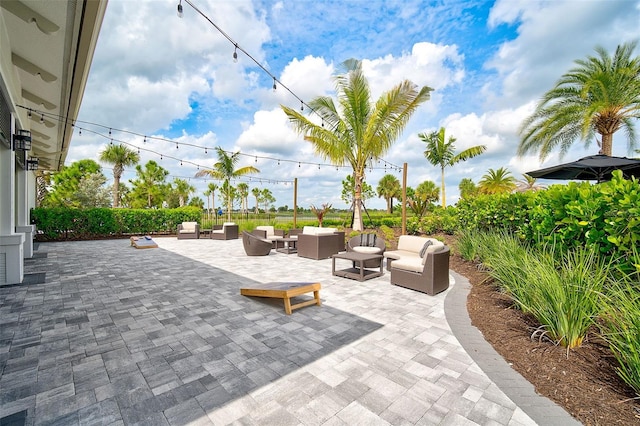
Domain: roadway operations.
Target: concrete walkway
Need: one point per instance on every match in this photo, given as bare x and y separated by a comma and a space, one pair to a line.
102, 333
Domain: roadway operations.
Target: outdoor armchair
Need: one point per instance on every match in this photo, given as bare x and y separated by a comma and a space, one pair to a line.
429, 274
367, 244
269, 233
188, 230
226, 231
254, 245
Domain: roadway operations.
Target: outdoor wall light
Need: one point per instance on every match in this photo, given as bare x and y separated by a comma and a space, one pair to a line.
22, 140
32, 163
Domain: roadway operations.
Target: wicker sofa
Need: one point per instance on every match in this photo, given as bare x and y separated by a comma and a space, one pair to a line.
226, 231
188, 230
427, 272
319, 243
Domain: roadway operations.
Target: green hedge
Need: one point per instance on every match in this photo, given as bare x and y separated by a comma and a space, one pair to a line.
61, 223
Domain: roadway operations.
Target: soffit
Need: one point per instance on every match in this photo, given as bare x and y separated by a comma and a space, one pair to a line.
52, 45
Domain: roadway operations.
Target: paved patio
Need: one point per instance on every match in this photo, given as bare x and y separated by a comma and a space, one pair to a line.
102, 333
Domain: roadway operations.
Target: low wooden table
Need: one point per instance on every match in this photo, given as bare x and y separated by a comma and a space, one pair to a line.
358, 271
285, 291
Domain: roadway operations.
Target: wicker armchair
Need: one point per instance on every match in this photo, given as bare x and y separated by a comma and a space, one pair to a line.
226, 231
368, 244
269, 233
188, 230
320, 243
254, 245
429, 275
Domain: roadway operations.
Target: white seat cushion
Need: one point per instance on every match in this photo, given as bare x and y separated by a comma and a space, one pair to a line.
408, 264
189, 227
367, 250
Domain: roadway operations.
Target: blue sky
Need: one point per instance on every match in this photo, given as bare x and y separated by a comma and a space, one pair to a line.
158, 75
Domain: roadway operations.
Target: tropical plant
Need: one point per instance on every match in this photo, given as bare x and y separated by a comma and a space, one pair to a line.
182, 189
150, 187
497, 181
528, 183
266, 196
348, 191
441, 152
243, 193
211, 191
425, 194
92, 191
601, 95
320, 212
389, 188
256, 193
467, 188
65, 184
359, 132
120, 156
225, 169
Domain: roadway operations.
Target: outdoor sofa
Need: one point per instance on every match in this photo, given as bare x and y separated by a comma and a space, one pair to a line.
420, 264
226, 231
319, 243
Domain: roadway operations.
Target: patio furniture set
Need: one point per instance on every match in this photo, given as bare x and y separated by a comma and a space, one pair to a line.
191, 230
419, 263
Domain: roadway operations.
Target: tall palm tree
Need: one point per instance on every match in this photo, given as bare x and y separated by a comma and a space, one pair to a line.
497, 181
120, 156
389, 188
441, 152
225, 170
599, 96
257, 193
357, 131
211, 190
183, 190
243, 193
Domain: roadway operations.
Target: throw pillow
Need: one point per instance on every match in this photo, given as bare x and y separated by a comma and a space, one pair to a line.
424, 248
368, 240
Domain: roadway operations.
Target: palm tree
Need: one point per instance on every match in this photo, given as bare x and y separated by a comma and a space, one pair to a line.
182, 190
225, 170
467, 188
425, 194
257, 193
243, 193
360, 131
599, 96
441, 152
120, 156
389, 188
211, 191
528, 183
497, 182
267, 198
149, 186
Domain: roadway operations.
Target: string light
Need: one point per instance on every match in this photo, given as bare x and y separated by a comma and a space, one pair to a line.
29, 113
235, 53
42, 119
180, 14
274, 84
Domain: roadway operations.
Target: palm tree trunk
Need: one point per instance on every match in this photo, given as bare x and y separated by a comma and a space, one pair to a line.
389, 201
607, 144
444, 198
357, 203
116, 192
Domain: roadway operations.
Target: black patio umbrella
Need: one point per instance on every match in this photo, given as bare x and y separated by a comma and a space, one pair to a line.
593, 167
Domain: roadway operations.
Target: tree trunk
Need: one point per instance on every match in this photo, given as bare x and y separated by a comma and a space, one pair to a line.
389, 201
116, 192
444, 198
607, 144
357, 202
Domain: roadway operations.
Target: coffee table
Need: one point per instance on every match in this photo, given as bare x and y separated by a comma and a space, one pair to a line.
358, 271
288, 245
285, 291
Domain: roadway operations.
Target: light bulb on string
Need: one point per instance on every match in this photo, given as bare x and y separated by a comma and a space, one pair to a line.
235, 53
138, 150
80, 132
274, 84
256, 159
298, 164
181, 162
301, 106
278, 162
29, 113
42, 119
145, 140
205, 149
109, 132
177, 145
180, 14
161, 156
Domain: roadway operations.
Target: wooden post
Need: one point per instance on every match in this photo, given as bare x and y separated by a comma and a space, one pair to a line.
404, 199
295, 201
